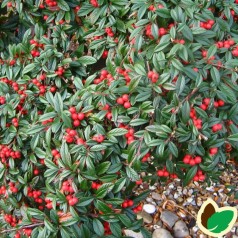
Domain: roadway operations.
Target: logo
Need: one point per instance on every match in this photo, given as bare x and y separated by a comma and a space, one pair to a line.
215, 221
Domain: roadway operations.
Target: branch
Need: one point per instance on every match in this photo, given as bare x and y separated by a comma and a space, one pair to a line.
23, 227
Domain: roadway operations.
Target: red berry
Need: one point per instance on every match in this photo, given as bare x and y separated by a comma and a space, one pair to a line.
81, 116
120, 101
127, 105
213, 150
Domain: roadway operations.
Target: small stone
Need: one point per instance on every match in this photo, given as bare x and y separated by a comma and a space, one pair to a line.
171, 186
156, 196
133, 234
185, 191
169, 218
180, 229
149, 208
180, 199
149, 200
147, 218
176, 196
189, 200
161, 233
152, 187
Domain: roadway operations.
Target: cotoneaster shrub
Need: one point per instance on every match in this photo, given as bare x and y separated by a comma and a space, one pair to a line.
92, 93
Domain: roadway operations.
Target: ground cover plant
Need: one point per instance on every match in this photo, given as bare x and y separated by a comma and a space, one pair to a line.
92, 93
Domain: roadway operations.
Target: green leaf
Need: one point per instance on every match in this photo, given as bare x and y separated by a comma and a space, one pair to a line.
87, 60
28, 68
103, 167
117, 132
63, 5
98, 227
132, 175
220, 221
211, 51
215, 75
233, 137
58, 103
190, 174
138, 122
140, 69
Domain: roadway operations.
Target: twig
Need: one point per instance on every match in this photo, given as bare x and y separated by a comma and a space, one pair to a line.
171, 201
23, 227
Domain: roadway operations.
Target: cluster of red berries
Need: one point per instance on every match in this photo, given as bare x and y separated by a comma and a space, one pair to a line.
72, 200
3, 190
107, 230
217, 127
225, 44
182, 42
137, 209
35, 194
153, 76
199, 176
95, 185
51, 3
196, 121
35, 52
148, 31
127, 203
6, 152
124, 100
192, 160
47, 121
125, 74
94, 3
10, 219
49, 204
213, 151
2, 100
130, 134
60, 71
146, 157
77, 117
15, 122
13, 187
205, 103
15, 86
163, 172
109, 31
219, 103
40, 85
71, 135
104, 75
207, 25
98, 138
56, 155
67, 187
152, 8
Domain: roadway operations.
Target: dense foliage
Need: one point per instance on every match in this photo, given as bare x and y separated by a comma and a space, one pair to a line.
92, 93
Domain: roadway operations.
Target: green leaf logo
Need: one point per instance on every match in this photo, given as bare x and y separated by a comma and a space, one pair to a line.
215, 221
219, 221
